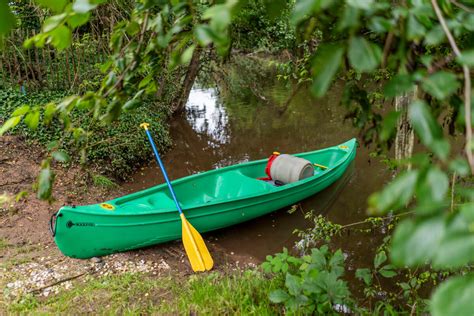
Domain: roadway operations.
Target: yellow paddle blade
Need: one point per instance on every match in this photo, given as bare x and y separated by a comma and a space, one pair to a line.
196, 249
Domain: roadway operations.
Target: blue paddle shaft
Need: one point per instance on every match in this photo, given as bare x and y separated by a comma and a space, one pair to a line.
162, 167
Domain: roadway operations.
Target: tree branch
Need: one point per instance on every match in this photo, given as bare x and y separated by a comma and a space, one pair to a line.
462, 6
467, 85
132, 64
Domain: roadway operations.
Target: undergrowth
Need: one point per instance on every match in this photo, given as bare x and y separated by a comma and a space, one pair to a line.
115, 150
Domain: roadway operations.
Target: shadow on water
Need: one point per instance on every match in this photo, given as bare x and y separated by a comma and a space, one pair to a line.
224, 126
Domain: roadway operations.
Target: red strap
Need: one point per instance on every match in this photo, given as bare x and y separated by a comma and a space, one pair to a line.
268, 168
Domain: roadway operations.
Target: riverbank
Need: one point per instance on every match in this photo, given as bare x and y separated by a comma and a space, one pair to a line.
116, 150
32, 267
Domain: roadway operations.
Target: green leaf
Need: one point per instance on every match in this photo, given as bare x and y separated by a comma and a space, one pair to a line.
293, 284
32, 119
84, 6
428, 129
396, 194
278, 296
132, 28
350, 18
454, 297
131, 104
61, 37
457, 247
187, 55
460, 165
67, 104
302, 9
380, 25
432, 188
365, 275
363, 55
441, 84
416, 242
49, 111
361, 4
9, 124
267, 267
7, 19
336, 263
467, 211
52, 145
305, 8
61, 156
398, 85
435, 36
380, 258
318, 257
45, 183
55, 5
204, 34
78, 19
53, 22
219, 16
22, 110
466, 58
415, 30
387, 271
325, 65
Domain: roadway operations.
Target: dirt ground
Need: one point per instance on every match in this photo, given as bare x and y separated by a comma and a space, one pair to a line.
30, 260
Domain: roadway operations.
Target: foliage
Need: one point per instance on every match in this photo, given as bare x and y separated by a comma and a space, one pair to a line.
136, 70
115, 150
255, 27
410, 40
384, 287
312, 283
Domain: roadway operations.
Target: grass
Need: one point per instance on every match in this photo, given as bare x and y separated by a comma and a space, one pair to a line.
103, 181
217, 293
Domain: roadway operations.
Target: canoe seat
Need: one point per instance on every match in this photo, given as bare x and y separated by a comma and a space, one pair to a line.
239, 185
224, 186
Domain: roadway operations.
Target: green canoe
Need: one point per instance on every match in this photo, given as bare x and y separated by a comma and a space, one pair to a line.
210, 200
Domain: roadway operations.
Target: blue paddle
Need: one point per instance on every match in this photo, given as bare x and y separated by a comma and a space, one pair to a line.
196, 249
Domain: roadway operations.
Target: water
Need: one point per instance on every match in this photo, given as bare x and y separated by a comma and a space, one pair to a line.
229, 123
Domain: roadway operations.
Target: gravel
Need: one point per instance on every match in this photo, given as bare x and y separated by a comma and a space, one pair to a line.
45, 275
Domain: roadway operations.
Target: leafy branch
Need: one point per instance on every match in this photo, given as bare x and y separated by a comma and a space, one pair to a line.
469, 147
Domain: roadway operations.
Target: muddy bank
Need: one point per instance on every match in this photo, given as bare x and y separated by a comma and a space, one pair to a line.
30, 260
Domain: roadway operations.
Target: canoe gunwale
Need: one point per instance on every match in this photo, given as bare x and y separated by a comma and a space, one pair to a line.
193, 217
275, 190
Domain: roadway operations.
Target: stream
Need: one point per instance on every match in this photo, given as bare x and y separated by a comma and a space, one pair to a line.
230, 124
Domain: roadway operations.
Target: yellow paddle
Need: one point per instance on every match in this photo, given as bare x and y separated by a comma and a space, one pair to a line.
196, 249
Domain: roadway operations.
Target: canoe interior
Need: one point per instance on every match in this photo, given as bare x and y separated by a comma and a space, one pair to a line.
225, 184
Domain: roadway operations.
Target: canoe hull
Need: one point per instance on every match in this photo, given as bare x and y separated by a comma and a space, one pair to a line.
80, 234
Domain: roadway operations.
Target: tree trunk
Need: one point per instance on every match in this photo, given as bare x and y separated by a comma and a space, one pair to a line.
405, 136
191, 75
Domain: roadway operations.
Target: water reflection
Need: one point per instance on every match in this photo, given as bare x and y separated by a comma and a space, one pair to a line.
207, 115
